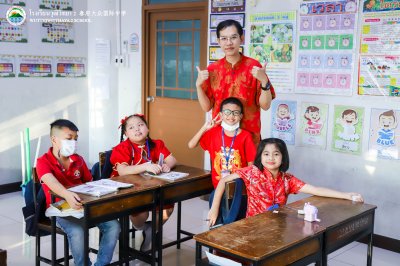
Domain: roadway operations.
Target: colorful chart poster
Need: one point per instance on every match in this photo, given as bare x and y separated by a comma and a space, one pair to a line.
12, 2
347, 130
70, 66
272, 41
226, 6
57, 32
10, 33
284, 120
384, 134
380, 49
56, 4
7, 66
35, 66
327, 47
379, 75
313, 119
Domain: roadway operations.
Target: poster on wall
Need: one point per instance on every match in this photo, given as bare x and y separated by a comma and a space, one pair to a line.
215, 19
226, 6
58, 32
10, 33
325, 61
35, 66
384, 134
70, 66
379, 75
272, 42
56, 4
313, 119
347, 129
284, 120
215, 53
7, 66
12, 2
380, 49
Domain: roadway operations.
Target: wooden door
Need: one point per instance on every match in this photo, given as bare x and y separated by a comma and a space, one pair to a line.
177, 43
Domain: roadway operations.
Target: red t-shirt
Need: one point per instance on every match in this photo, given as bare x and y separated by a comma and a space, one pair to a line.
226, 81
76, 174
132, 154
263, 190
243, 151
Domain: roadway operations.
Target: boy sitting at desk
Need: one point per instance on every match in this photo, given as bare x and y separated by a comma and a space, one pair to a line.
61, 168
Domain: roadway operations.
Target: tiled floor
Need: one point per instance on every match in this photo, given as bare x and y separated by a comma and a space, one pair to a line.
21, 248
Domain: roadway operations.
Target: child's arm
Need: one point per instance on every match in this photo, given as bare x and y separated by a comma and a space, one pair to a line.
72, 198
124, 169
326, 192
208, 125
169, 163
219, 191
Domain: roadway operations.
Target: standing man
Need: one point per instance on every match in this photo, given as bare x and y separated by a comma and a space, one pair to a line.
238, 76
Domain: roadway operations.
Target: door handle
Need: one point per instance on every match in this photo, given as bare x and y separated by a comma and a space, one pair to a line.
150, 99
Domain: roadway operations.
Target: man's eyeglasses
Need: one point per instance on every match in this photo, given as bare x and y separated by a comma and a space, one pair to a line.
225, 39
228, 112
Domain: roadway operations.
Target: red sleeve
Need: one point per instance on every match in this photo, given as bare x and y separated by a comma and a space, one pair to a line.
87, 176
122, 153
205, 140
246, 174
250, 149
160, 148
295, 184
42, 167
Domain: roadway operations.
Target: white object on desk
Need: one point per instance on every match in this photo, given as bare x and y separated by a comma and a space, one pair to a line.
217, 260
310, 213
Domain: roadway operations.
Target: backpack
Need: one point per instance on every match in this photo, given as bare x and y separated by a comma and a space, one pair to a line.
34, 213
106, 169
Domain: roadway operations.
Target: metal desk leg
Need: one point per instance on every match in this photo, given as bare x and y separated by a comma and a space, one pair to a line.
155, 242
160, 230
178, 224
370, 246
53, 241
198, 254
85, 242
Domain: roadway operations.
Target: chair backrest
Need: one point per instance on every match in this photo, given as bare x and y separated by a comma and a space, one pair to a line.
230, 190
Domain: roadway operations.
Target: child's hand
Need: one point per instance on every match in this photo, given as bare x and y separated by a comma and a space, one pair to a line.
165, 168
355, 197
212, 217
216, 121
73, 200
153, 168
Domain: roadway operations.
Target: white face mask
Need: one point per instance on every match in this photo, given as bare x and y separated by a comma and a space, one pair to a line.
227, 127
68, 147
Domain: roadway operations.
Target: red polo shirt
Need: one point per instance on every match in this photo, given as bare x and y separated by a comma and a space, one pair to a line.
237, 81
76, 174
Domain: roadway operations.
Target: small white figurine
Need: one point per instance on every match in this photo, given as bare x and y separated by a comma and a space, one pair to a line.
310, 213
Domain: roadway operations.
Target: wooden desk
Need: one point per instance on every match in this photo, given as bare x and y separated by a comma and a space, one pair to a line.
196, 184
345, 221
265, 239
142, 196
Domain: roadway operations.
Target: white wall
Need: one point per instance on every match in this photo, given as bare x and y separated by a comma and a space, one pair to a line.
36, 102
376, 179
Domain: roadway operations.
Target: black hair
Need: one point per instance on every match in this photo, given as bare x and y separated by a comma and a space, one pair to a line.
231, 100
123, 128
60, 123
227, 23
281, 145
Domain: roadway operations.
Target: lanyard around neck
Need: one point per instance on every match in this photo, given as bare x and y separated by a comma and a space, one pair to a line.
226, 156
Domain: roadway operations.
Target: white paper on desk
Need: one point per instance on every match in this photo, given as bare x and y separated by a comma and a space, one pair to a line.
217, 260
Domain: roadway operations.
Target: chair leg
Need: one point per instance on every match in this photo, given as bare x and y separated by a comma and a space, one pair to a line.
66, 251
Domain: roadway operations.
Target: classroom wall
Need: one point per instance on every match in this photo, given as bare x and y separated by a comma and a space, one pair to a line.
36, 102
376, 179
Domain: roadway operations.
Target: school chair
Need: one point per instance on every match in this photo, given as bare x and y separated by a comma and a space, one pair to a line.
47, 226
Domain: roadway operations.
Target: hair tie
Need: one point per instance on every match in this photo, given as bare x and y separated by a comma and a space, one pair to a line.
123, 121
140, 115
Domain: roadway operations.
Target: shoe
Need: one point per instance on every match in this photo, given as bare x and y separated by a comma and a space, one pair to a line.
146, 244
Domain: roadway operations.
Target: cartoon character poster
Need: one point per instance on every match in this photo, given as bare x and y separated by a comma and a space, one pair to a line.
284, 120
347, 130
384, 133
313, 119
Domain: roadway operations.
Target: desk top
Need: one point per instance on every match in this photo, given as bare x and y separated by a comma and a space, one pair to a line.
260, 236
331, 211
